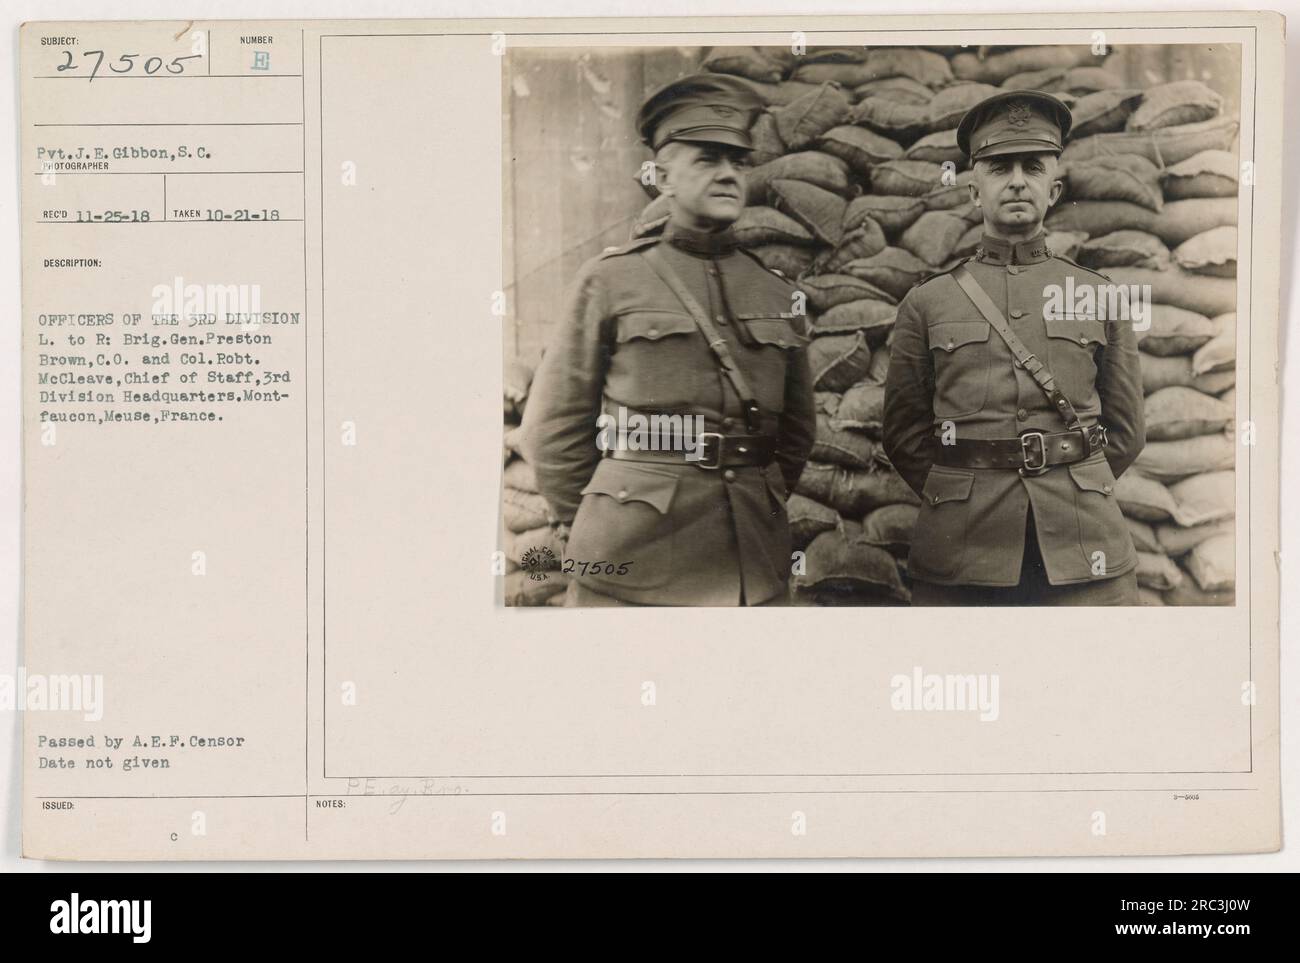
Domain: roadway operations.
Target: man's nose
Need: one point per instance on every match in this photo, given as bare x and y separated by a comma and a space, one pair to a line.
727, 169
1017, 175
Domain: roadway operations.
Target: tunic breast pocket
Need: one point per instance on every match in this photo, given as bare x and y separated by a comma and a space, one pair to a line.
775, 341
1072, 345
660, 360
960, 350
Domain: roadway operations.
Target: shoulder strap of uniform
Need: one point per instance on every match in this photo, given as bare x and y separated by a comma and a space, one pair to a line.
640, 244
1067, 260
759, 261
942, 271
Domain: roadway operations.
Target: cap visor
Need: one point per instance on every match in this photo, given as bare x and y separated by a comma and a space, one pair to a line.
721, 135
1017, 147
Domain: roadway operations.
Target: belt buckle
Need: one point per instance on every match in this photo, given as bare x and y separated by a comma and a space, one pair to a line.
702, 439
1030, 468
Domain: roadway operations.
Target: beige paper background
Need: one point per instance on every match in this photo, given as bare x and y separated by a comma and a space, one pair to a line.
369, 565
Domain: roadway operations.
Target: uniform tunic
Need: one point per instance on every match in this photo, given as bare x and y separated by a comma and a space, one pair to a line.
692, 536
950, 369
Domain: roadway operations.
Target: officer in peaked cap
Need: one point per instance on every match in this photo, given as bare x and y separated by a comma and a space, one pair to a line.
1010, 413
683, 325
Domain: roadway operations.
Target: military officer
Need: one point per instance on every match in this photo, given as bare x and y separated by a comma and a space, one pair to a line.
681, 324
1012, 402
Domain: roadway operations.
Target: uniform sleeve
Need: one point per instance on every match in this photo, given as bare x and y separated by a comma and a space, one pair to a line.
907, 431
1119, 386
798, 424
559, 425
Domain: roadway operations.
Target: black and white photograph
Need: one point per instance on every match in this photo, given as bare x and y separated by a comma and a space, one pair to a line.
820, 325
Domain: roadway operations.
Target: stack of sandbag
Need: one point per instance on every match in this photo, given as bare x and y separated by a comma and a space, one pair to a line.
532, 554
859, 191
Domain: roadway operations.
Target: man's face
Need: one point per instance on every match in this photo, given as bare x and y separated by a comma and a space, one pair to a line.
705, 181
1015, 190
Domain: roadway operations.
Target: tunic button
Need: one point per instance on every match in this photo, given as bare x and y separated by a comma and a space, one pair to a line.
720, 317
622, 494
728, 422
1017, 313
653, 332
950, 345
1083, 341
1106, 488
729, 475
1022, 414
1012, 269
934, 499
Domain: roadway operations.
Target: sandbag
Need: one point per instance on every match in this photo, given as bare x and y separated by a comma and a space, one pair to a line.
1157, 572
1143, 535
766, 225
936, 148
841, 446
1176, 540
853, 493
743, 62
788, 260
1164, 371
515, 384
1204, 295
924, 66
838, 361
1176, 222
879, 367
1148, 596
1177, 412
933, 237
890, 527
522, 511
808, 519
519, 476
1174, 330
872, 318
1165, 145
860, 148
954, 198
1171, 461
767, 142
1189, 593
893, 214
1175, 104
861, 408
1084, 81
1217, 355
906, 178
1127, 177
1213, 252
837, 565
864, 240
1211, 173
1102, 112
949, 105
514, 442
1207, 497
1143, 498
820, 169
825, 291
1124, 249
1064, 244
902, 90
900, 122
815, 208
893, 269
805, 119
1212, 563
999, 66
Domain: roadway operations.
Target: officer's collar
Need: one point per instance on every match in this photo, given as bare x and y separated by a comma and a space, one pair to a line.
700, 243
995, 250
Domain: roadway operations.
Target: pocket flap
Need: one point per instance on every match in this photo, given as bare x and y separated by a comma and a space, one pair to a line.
951, 335
773, 330
653, 325
1093, 476
632, 482
947, 485
1080, 330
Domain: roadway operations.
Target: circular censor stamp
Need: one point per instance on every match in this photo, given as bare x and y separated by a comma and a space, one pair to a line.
536, 562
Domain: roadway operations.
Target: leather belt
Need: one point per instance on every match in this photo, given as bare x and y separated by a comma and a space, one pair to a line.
716, 450
1033, 453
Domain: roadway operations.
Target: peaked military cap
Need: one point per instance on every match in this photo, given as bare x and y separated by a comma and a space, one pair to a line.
1014, 122
701, 108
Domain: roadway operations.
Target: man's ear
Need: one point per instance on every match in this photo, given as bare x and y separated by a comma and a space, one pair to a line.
662, 180
974, 193
1054, 195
